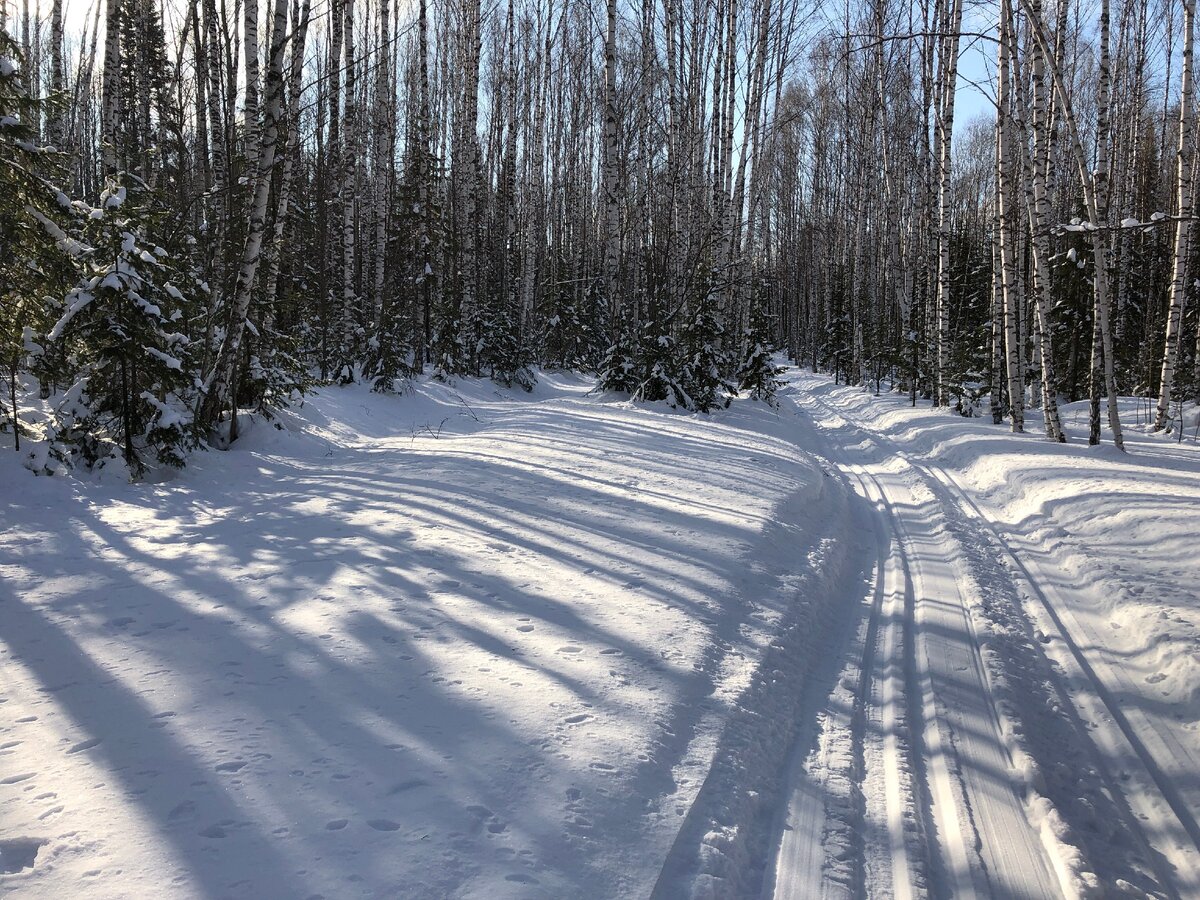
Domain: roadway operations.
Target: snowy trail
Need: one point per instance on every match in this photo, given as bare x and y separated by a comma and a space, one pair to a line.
976, 775
469, 644
985, 845
455, 644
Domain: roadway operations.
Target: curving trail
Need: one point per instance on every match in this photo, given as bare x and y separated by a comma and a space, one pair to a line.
968, 749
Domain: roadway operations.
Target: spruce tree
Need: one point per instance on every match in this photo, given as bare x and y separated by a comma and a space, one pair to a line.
132, 378
758, 373
36, 250
618, 366
658, 364
704, 363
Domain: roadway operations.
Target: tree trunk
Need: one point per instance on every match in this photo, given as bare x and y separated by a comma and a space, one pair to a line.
1183, 209
219, 390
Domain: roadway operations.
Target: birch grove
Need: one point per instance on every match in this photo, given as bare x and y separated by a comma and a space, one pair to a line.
654, 191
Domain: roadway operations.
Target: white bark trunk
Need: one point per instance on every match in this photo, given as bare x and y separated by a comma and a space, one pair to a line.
1184, 205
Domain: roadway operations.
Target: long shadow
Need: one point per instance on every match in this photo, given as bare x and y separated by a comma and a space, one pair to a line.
132, 746
344, 703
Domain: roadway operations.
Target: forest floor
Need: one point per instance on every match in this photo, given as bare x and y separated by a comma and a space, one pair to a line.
471, 642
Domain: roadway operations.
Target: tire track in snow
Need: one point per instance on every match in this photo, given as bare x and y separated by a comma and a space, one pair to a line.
848, 824
1091, 835
723, 845
905, 875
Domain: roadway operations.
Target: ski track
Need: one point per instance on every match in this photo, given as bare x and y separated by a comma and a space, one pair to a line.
996, 760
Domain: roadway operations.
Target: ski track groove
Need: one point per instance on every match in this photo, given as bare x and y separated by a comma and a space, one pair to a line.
941, 828
978, 836
1186, 876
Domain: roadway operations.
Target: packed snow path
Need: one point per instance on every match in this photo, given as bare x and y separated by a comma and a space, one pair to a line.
988, 736
462, 643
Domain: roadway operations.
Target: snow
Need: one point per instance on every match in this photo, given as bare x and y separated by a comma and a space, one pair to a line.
352, 658
76, 301
1047, 591
471, 642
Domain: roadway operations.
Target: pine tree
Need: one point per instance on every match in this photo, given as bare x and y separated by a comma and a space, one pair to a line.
758, 373
131, 374
36, 251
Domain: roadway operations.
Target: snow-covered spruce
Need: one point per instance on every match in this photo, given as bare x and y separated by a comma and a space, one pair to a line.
128, 363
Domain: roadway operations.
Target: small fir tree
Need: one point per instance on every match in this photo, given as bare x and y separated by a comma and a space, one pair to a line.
658, 362
132, 380
758, 373
704, 361
618, 366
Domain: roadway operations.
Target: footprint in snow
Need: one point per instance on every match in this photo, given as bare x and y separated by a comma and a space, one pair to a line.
521, 878
232, 766
184, 810
486, 817
578, 718
84, 745
570, 648
384, 824
404, 786
336, 824
525, 628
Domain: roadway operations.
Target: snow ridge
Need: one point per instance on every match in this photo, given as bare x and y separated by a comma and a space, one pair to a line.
721, 848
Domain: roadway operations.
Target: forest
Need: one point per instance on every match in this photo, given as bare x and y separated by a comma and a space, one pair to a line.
614, 449
213, 207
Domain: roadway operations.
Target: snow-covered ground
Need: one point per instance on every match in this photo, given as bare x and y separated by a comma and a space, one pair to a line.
459, 643
1019, 716
470, 643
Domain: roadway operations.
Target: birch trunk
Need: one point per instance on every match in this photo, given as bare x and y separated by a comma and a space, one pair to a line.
250, 36
109, 87
945, 126
300, 16
220, 389
1184, 205
1038, 206
1010, 284
349, 310
55, 131
611, 209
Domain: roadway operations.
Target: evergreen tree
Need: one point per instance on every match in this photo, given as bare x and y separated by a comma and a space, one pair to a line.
758, 373
36, 250
618, 366
704, 362
132, 378
658, 363
500, 347
568, 340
